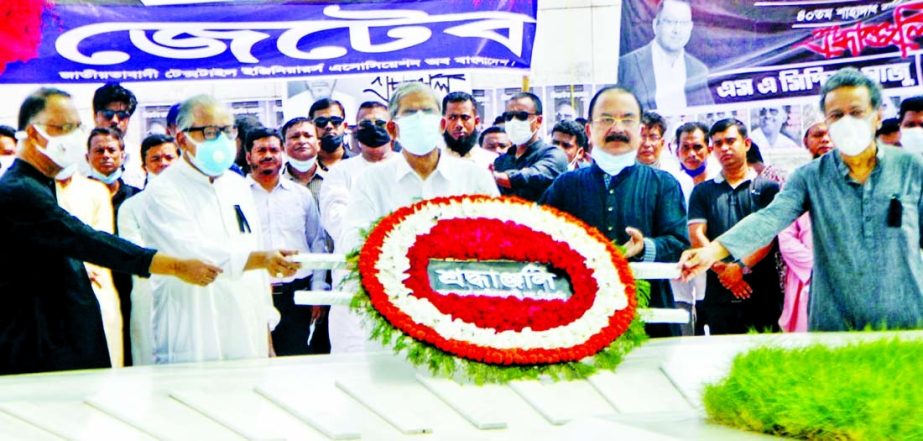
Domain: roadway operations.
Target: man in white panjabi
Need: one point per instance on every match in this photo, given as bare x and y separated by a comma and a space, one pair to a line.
89, 201
422, 171
195, 208
157, 153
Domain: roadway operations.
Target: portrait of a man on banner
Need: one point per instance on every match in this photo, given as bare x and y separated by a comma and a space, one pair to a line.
652, 70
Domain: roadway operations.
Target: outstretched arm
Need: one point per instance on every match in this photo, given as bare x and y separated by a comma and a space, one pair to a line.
192, 271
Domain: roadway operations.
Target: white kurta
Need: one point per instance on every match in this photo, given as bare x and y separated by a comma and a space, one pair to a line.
139, 324
188, 216
91, 202
334, 195
380, 190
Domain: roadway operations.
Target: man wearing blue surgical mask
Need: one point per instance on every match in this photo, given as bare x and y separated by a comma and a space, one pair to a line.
422, 171
200, 208
51, 319
528, 168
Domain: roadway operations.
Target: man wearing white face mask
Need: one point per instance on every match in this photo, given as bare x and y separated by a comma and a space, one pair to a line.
630, 203
911, 119
51, 320
528, 169
866, 203
300, 139
421, 172
197, 208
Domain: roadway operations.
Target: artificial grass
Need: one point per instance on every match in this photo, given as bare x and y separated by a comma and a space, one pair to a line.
863, 391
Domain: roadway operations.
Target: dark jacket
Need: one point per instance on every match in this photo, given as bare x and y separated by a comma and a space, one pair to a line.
641, 197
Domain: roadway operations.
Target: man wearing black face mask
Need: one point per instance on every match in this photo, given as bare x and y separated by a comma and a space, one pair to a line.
375, 144
459, 124
329, 118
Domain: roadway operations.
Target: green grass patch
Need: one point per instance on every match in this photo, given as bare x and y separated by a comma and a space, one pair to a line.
863, 391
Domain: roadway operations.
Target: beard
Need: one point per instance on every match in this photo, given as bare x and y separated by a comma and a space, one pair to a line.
461, 145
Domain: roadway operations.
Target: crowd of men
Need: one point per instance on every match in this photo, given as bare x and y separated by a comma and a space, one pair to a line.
198, 264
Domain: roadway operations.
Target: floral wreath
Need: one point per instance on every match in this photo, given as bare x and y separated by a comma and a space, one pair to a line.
491, 339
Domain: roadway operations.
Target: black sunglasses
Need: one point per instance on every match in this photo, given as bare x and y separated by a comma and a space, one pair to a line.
371, 122
322, 121
521, 115
108, 114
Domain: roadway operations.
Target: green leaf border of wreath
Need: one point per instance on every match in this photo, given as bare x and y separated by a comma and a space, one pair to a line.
444, 364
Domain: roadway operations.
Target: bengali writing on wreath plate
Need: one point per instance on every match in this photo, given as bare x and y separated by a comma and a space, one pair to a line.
499, 278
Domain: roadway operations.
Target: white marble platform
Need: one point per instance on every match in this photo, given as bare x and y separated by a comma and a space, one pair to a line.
654, 395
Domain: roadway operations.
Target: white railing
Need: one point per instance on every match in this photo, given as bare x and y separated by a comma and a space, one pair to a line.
641, 270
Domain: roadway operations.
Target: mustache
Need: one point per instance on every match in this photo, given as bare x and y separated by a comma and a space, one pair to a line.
615, 137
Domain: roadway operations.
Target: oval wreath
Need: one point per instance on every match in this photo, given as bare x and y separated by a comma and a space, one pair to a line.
497, 338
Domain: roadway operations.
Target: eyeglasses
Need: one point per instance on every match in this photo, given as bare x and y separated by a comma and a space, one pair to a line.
651, 137
322, 121
675, 23
609, 121
108, 114
61, 129
521, 115
212, 132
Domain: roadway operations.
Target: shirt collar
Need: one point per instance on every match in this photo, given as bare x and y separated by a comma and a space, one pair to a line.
284, 184
318, 174
751, 175
443, 168
625, 171
843, 169
28, 169
658, 53
530, 148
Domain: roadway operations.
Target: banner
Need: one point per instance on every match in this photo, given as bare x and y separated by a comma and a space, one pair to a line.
98, 43
732, 51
